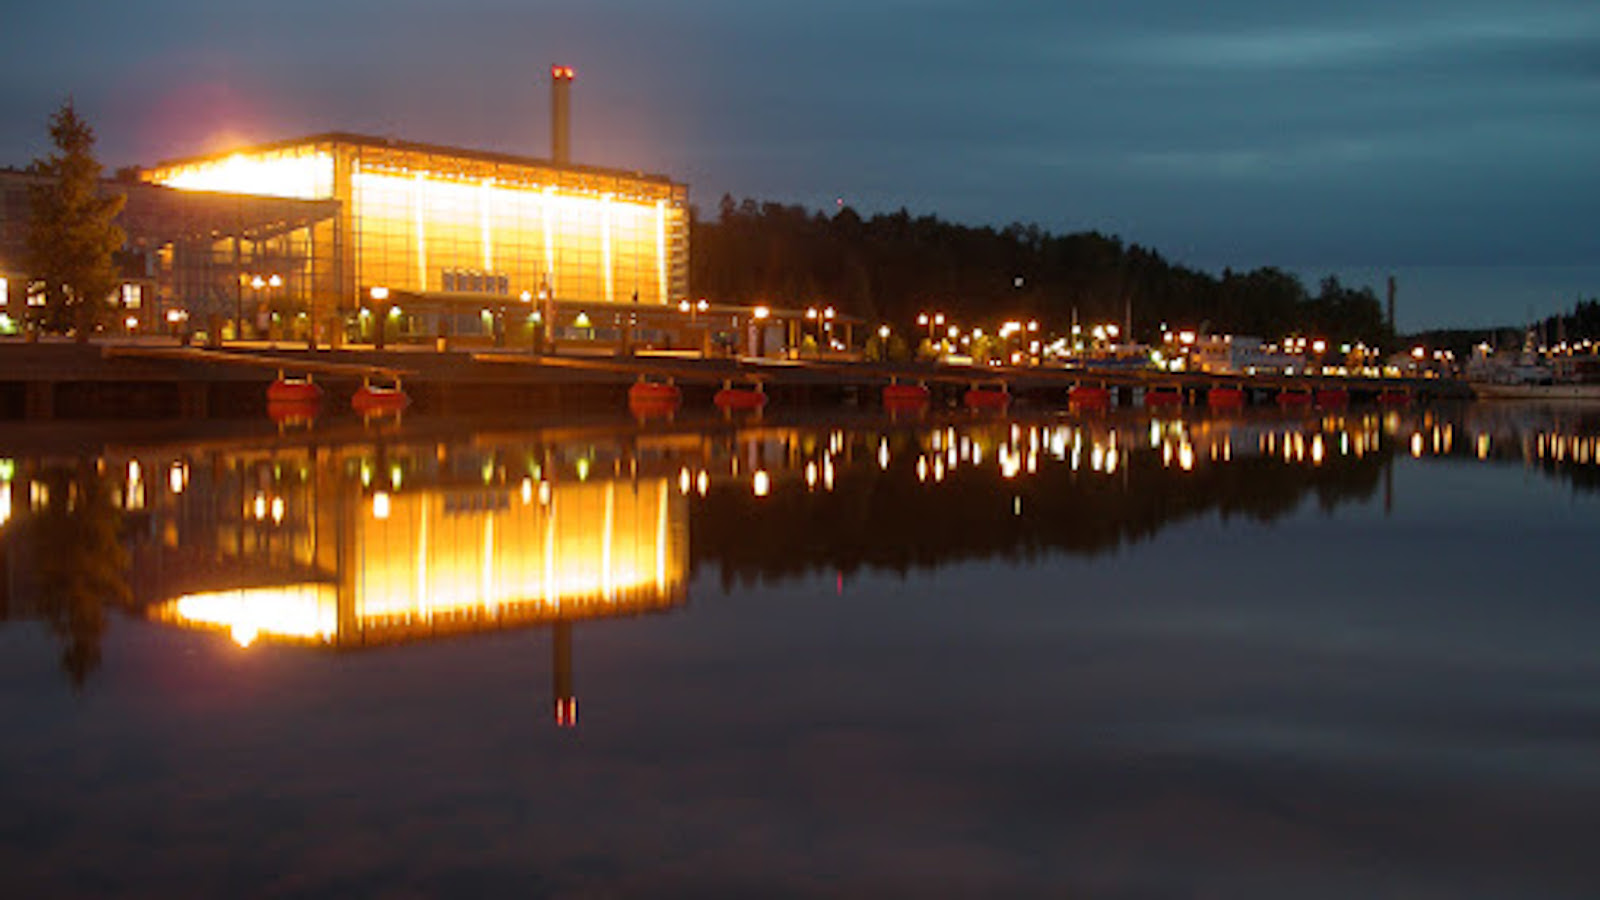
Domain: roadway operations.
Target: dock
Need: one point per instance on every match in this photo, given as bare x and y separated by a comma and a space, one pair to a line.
61, 380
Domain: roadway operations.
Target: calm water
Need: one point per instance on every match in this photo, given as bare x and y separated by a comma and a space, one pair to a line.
1347, 655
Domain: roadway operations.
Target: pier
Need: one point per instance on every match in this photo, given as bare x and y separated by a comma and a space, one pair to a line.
48, 380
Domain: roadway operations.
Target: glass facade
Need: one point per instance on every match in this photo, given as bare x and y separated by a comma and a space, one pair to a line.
428, 220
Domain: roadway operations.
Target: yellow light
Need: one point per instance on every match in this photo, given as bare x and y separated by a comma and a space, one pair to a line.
761, 312
294, 611
380, 505
177, 477
277, 510
259, 507
761, 484
304, 175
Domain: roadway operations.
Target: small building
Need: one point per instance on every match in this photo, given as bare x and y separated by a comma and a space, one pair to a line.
1239, 354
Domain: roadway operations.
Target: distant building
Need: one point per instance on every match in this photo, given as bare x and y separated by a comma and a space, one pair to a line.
1237, 354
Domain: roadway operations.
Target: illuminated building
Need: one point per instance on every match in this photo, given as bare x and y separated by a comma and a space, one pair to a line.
457, 229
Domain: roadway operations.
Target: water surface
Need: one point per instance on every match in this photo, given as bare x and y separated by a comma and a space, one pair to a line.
1321, 655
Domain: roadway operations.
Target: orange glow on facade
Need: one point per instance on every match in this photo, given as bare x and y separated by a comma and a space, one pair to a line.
431, 219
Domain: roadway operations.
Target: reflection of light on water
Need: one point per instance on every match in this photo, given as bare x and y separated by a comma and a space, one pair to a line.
5, 502
380, 505
306, 611
135, 489
761, 483
1416, 445
177, 477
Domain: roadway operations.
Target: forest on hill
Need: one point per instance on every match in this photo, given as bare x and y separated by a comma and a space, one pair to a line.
892, 267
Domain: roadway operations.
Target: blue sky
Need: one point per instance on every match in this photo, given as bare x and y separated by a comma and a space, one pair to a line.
1450, 143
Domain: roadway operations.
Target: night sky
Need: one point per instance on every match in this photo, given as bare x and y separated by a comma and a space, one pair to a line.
1449, 142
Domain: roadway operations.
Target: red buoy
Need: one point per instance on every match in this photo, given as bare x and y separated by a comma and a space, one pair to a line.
654, 392
1163, 397
1225, 397
369, 400
904, 396
1293, 397
653, 399
1330, 397
293, 412
295, 390
987, 398
740, 398
1090, 397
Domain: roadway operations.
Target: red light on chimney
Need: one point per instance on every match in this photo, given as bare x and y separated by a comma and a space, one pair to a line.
567, 712
561, 73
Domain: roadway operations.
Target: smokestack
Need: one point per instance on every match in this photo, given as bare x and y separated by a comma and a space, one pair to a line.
561, 114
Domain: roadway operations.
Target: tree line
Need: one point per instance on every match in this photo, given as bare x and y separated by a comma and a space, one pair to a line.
892, 267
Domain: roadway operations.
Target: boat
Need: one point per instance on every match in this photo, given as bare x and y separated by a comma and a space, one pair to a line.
1553, 391
731, 397
289, 389
1089, 396
993, 396
371, 399
1167, 397
1532, 376
901, 397
1331, 398
1294, 397
653, 399
1225, 397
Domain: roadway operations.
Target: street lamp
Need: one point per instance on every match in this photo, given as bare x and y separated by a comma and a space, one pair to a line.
380, 298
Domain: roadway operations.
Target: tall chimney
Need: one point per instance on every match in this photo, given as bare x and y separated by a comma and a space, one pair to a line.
561, 114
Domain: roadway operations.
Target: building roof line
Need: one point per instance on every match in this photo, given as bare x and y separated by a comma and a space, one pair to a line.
383, 143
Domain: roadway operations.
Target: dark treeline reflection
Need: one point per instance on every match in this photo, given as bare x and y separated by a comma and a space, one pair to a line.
362, 539
897, 517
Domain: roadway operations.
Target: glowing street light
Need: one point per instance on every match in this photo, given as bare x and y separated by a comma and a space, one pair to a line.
380, 297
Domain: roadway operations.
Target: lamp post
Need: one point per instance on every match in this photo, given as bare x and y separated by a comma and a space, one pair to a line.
380, 300
759, 320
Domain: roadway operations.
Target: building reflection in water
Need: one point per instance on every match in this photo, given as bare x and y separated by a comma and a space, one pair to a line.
370, 541
361, 545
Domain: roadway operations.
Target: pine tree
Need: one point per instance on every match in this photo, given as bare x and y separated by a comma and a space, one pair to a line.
73, 232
